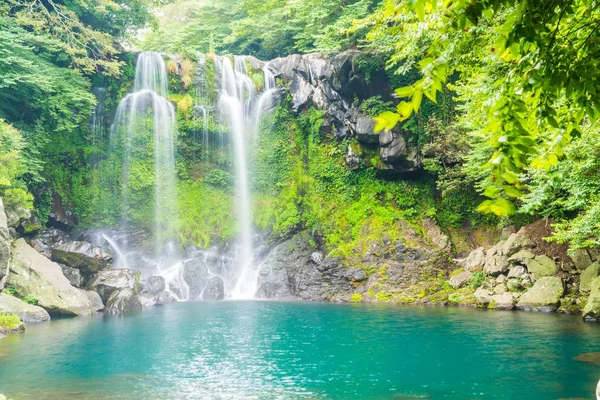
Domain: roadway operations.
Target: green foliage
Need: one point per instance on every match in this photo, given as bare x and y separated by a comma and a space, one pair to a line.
32, 299
356, 298
266, 29
477, 279
10, 322
10, 290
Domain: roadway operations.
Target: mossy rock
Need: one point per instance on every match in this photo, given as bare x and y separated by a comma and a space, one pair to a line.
10, 323
588, 276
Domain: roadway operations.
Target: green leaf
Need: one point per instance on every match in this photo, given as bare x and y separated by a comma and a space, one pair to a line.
513, 192
386, 121
491, 191
406, 91
404, 110
416, 101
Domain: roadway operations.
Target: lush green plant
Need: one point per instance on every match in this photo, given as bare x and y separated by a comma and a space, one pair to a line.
10, 321
32, 299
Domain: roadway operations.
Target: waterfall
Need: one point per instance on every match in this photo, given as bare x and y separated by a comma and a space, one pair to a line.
265, 101
236, 95
147, 116
97, 123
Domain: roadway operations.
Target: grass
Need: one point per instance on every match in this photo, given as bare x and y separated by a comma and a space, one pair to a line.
10, 322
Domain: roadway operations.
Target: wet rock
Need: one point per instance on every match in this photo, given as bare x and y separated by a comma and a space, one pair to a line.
581, 259
5, 240
84, 256
476, 260
544, 295
27, 312
590, 358
461, 279
113, 280
496, 262
155, 285
123, 301
97, 304
515, 243
352, 158
483, 297
588, 276
503, 301
196, 276
165, 298
35, 275
147, 300
47, 239
73, 275
215, 289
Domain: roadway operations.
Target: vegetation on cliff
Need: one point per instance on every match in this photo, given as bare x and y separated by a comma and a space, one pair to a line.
498, 97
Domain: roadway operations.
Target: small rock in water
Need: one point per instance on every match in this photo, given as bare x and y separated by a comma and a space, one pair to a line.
165, 298
590, 358
215, 289
123, 301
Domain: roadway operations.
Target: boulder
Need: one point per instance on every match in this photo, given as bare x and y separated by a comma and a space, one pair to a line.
483, 297
496, 262
365, 130
503, 301
475, 261
34, 275
521, 258
73, 275
123, 301
542, 266
516, 271
47, 239
514, 284
591, 311
515, 243
155, 285
215, 289
97, 304
196, 276
147, 300
27, 312
461, 279
357, 275
84, 256
111, 280
588, 276
544, 295
5, 240
165, 298
581, 259
317, 257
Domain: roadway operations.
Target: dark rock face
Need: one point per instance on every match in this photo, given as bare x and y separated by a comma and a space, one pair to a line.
84, 256
48, 239
4, 246
331, 83
215, 289
73, 275
113, 280
123, 301
154, 285
60, 217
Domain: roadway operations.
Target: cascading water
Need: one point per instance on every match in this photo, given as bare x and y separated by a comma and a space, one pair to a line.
145, 123
237, 93
144, 126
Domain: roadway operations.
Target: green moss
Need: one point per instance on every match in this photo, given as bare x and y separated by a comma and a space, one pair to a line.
383, 296
32, 299
10, 322
356, 298
136, 284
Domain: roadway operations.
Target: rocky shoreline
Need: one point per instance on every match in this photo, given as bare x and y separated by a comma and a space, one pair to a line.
57, 273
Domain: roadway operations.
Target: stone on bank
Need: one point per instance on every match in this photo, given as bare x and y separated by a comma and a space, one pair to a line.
31, 274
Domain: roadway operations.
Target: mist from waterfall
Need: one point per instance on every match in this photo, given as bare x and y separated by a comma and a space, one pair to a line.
144, 116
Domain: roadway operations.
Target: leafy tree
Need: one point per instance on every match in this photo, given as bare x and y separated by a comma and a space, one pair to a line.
542, 59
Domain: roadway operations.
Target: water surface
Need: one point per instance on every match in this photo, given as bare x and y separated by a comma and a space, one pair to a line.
277, 350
